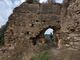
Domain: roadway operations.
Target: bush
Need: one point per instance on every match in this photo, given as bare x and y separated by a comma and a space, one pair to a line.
2, 31
42, 56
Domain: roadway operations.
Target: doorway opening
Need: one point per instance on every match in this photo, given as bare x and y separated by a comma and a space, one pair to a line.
47, 36
50, 37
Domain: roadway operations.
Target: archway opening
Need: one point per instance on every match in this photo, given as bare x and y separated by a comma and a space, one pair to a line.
46, 37
50, 36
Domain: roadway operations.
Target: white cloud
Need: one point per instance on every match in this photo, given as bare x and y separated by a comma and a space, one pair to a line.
6, 9
8, 2
43, 1
46, 1
2, 21
49, 31
59, 1
23, 0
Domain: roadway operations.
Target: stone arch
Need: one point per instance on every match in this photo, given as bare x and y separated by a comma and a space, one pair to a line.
40, 38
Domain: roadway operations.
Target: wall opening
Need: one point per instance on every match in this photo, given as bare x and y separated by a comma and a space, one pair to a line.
59, 1
49, 34
43, 1
50, 37
46, 36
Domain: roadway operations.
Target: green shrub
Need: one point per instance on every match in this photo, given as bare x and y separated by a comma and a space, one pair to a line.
42, 56
2, 31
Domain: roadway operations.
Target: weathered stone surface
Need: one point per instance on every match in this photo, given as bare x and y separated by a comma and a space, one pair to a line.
29, 21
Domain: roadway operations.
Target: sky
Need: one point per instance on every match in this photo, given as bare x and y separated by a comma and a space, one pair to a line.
49, 31
57, 1
7, 6
6, 9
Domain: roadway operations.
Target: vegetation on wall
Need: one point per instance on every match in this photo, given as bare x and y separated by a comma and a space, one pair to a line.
2, 31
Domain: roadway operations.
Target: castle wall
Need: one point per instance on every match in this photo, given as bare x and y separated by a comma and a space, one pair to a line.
29, 20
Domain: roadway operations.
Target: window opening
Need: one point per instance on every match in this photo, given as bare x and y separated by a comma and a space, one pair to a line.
59, 1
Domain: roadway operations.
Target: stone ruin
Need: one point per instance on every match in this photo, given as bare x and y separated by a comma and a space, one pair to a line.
26, 26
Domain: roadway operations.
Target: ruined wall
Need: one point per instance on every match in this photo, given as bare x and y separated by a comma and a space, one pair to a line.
30, 21
71, 24
27, 23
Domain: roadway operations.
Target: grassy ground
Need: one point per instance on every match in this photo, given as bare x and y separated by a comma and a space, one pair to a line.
62, 55
45, 55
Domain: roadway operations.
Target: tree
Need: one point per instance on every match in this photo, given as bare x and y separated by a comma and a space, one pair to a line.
2, 31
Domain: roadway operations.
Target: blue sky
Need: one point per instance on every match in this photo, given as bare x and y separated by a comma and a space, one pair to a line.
7, 6
6, 9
